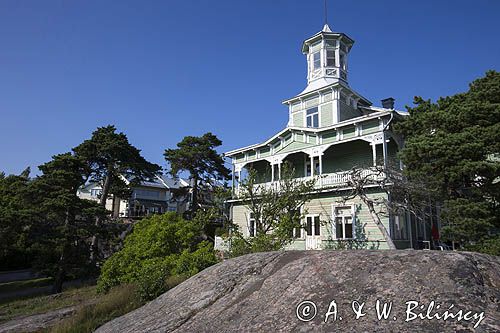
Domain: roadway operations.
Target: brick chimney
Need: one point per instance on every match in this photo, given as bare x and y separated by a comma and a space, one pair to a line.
388, 103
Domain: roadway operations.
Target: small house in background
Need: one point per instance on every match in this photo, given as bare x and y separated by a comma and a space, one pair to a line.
331, 129
148, 197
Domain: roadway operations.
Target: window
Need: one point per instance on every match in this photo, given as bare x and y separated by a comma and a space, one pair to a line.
330, 58
313, 226
147, 193
342, 61
316, 60
95, 192
296, 232
252, 227
316, 166
343, 222
399, 228
312, 117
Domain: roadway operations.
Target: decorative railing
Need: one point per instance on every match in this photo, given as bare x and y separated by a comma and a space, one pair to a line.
326, 180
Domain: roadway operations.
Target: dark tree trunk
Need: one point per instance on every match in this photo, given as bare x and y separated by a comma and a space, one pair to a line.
58, 281
94, 247
195, 195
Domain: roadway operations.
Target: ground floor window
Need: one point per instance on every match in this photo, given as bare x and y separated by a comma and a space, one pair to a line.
252, 226
399, 228
343, 221
313, 226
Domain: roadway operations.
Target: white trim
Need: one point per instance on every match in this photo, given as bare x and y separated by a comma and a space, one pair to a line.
309, 129
334, 222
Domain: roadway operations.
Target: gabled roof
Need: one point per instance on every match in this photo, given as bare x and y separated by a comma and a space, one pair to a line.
379, 112
322, 84
158, 182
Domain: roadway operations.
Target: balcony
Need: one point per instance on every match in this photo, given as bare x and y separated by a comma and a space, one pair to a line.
325, 181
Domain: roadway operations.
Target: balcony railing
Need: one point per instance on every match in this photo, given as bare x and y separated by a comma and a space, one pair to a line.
324, 181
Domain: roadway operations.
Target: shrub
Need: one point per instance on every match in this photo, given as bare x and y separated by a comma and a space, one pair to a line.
488, 246
159, 247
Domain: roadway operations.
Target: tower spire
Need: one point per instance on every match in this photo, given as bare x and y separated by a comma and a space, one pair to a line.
326, 14
326, 28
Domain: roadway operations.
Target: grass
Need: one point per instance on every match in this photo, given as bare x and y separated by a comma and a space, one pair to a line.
19, 285
119, 301
42, 304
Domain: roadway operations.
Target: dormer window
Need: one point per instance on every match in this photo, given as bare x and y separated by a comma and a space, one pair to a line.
316, 60
312, 117
330, 58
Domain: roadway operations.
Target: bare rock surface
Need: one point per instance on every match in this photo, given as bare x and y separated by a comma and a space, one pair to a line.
261, 292
38, 322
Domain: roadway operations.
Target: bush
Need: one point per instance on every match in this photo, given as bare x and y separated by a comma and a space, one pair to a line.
488, 246
161, 246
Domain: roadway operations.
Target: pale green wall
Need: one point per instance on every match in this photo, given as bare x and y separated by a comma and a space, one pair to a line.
348, 112
294, 146
323, 205
343, 157
298, 161
369, 127
263, 169
298, 118
265, 152
329, 137
326, 114
348, 132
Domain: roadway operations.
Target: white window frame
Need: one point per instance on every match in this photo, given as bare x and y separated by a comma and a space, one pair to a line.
314, 61
401, 221
252, 220
313, 233
317, 113
95, 192
308, 164
334, 221
331, 49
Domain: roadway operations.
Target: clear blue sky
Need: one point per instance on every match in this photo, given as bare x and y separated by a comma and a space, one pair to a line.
160, 70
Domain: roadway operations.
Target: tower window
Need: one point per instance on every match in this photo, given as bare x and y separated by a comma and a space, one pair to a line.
330, 58
312, 117
316, 60
342, 61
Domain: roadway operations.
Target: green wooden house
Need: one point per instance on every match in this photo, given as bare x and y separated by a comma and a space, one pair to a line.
331, 128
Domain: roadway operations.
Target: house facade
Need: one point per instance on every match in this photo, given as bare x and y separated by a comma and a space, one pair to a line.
158, 196
331, 129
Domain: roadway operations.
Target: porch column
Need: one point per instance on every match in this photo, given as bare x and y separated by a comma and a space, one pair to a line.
408, 225
233, 176
320, 157
320, 169
279, 171
312, 165
384, 149
272, 172
239, 181
374, 153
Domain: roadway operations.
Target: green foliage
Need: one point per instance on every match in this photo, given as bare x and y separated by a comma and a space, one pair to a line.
452, 147
109, 154
15, 215
63, 223
276, 210
160, 246
488, 245
197, 155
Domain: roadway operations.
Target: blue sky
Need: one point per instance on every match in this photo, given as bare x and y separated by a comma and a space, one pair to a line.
160, 70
